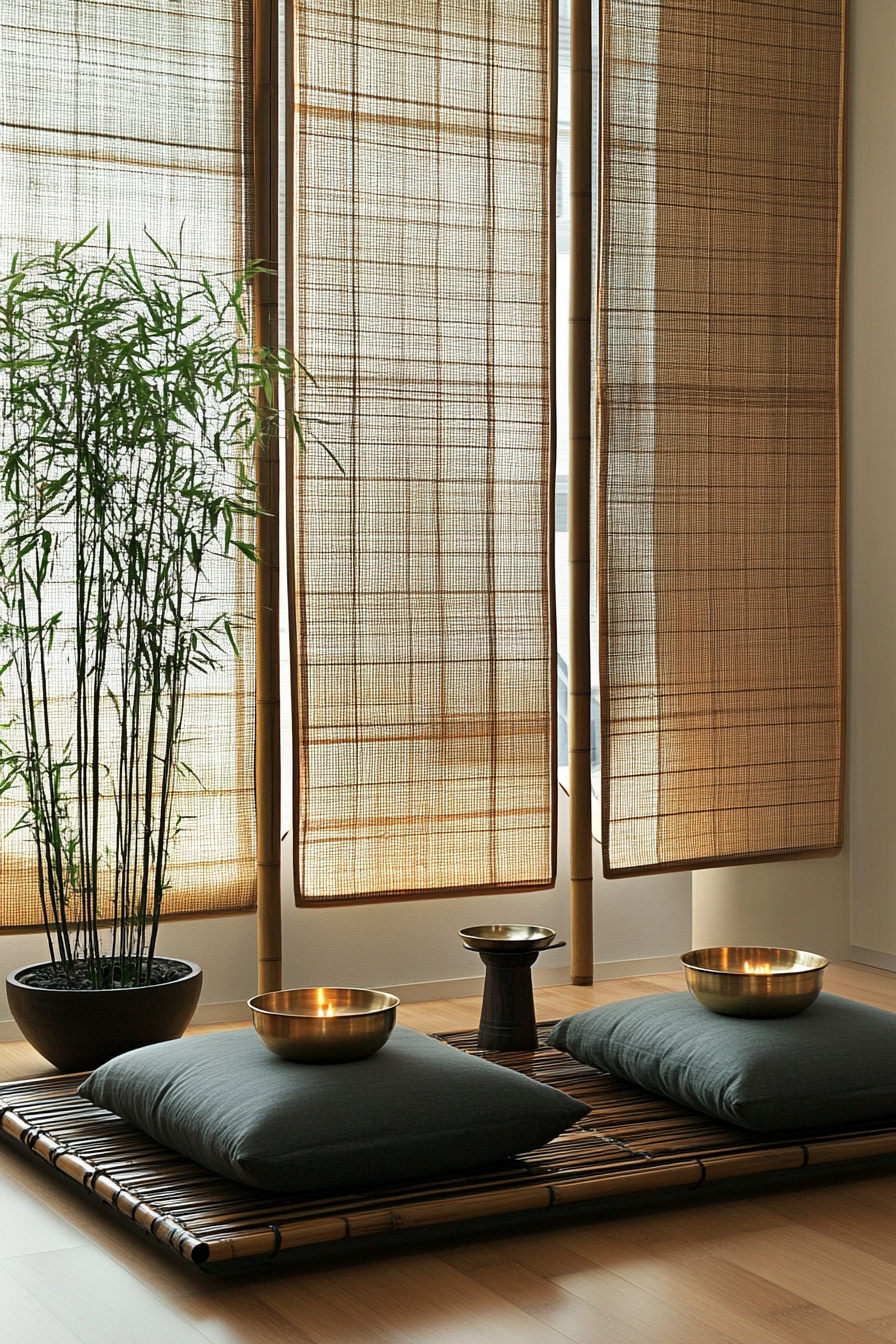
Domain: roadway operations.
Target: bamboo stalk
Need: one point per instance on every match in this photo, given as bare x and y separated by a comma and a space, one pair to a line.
267, 469
580, 865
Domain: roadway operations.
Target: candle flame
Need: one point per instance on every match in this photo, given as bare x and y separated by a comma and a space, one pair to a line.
324, 1009
761, 968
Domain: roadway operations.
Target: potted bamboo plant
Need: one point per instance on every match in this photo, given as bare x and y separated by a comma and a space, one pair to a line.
129, 415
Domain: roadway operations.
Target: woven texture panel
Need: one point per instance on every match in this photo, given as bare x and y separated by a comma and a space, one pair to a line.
136, 114
423, 650
719, 416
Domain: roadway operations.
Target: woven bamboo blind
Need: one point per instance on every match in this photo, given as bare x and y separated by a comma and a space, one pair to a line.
719, 415
136, 114
422, 608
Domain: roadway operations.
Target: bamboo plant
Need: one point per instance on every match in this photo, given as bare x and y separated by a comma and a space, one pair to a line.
129, 413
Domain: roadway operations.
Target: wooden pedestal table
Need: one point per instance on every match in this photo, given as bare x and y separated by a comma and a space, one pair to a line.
508, 952
507, 1021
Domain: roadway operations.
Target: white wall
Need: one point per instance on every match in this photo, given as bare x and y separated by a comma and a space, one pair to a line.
871, 477
801, 903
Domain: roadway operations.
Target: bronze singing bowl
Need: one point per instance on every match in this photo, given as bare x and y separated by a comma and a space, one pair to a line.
506, 937
754, 981
355, 1023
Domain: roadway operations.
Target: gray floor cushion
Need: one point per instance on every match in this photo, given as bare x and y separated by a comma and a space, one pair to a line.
416, 1108
833, 1064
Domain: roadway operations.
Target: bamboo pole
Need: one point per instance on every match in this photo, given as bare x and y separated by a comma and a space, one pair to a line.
267, 469
580, 866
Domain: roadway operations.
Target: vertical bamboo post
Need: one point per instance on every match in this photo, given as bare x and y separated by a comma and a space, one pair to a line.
267, 471
580, 866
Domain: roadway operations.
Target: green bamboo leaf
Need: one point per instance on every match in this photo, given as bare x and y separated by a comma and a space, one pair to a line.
245, 549
128, 421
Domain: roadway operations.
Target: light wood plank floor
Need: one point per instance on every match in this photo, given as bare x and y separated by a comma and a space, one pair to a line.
810, 1266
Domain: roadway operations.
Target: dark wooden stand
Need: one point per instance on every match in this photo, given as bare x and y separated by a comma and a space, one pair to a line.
507, 1021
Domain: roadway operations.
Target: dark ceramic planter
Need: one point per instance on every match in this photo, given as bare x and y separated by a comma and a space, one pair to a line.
79, 1029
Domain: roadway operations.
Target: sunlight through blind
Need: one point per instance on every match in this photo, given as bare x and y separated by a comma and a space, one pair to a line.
422, 608
137, 115
719, 327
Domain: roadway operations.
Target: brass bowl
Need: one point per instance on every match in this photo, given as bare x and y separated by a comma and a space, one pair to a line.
506, 937
754, 981
326, 1025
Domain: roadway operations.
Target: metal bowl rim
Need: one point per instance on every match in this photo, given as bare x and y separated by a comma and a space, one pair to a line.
820, 963
477, 931
392, 1002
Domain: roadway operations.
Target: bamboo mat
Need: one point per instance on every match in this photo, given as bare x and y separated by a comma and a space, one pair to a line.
631, 1142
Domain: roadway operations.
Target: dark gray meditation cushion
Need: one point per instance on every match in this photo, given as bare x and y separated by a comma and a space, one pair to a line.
831, 1065
416, 1108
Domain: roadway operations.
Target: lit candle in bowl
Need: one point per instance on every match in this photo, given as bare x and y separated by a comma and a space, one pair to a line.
324, 1025
754, 981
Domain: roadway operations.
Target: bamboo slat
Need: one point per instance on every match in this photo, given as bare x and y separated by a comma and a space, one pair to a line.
631, 1142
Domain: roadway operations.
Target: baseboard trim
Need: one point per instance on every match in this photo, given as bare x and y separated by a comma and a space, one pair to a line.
542, 978
867, 956
621, 970
236, 1010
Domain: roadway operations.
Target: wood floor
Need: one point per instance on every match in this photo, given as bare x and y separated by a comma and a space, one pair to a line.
810, 1266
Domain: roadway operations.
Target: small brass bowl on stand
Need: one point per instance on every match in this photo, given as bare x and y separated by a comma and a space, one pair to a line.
506, 937
754, 981
324, 1025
